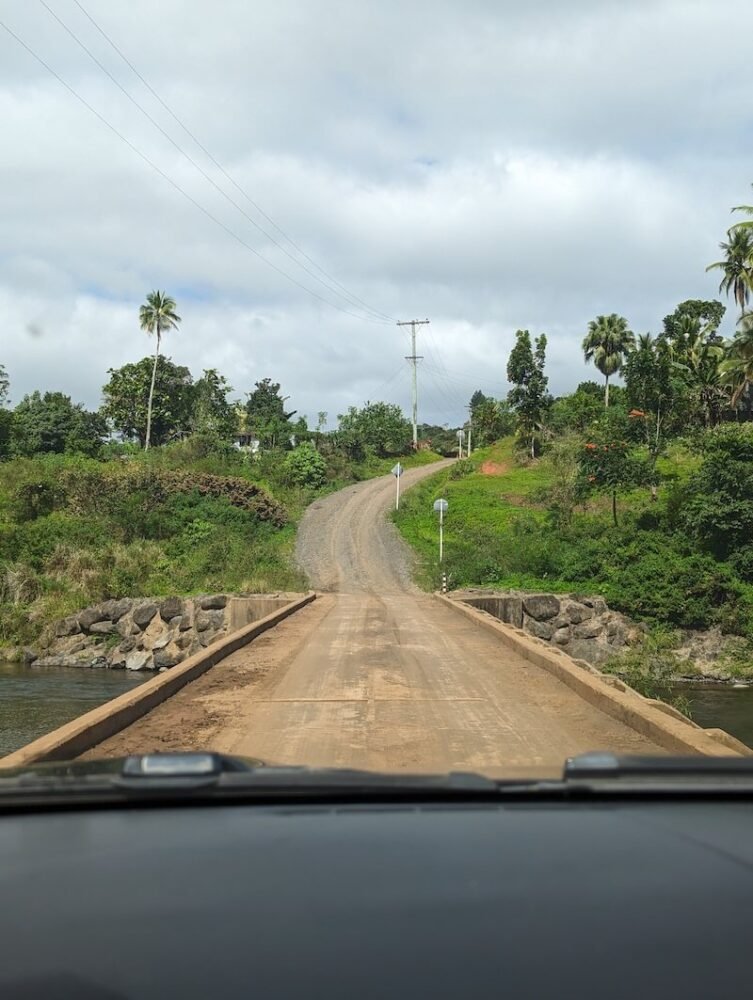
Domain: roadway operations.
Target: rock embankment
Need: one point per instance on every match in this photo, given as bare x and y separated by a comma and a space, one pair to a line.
136, 634
583, 627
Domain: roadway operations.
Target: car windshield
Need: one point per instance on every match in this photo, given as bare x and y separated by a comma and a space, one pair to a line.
376, 383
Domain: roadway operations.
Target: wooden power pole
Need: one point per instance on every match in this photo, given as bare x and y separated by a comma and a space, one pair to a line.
414, 359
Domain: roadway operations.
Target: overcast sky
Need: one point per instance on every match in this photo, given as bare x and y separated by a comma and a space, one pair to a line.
489, 164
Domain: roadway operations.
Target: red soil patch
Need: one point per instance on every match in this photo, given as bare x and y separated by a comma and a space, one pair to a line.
494, 468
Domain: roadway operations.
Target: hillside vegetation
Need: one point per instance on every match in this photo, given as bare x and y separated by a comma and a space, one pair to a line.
75, 530
518, 523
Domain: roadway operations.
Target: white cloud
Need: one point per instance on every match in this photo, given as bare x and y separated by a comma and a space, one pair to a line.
491, 165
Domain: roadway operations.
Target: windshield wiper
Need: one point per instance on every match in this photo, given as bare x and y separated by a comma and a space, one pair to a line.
211, 778
203, 776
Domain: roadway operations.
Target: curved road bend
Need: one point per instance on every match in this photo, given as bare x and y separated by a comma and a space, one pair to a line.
377, 675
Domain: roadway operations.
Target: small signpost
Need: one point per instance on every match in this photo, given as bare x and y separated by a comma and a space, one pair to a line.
397, 472
440, 506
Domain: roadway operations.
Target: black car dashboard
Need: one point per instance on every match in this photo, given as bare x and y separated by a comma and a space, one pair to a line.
603, 898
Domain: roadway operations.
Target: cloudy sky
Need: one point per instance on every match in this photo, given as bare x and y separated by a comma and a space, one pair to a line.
489, 164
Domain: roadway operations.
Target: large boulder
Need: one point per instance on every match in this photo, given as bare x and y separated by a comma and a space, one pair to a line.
139, 659
597, 604
126, 626
576, 612
114, 610
541, 606
589, 650
104, 628
162, 640
211, 620
212, 602
90, 616
588, 630
143, 614
68, 626
542, 630
168, 657
171, 607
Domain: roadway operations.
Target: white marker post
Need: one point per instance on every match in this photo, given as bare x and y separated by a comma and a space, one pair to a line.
441, 507
397, 472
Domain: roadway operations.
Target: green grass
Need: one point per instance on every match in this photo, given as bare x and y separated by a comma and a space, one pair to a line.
476, 503
500, 533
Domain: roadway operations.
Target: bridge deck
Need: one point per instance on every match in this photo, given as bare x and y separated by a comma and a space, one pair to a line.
377, 675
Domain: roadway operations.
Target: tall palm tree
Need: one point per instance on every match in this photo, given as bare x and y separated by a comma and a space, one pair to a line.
156, 315
607, 342
737, 264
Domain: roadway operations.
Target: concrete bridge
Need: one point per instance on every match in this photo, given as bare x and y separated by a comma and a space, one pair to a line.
375, 674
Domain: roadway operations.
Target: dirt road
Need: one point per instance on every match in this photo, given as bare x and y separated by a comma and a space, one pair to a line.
377, 675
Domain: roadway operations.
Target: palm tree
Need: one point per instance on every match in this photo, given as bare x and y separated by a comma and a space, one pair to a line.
737, 264
156, 316
607, 342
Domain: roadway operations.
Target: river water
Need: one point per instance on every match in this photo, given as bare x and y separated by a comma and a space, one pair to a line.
35, 700
719, 706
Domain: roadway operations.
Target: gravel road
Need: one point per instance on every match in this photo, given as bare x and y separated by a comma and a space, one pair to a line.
346, 545
376, 675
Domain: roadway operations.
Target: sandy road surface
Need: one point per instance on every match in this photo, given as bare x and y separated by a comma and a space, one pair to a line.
376, 675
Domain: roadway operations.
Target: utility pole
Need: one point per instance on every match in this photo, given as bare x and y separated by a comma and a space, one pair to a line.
414, 359
470, 426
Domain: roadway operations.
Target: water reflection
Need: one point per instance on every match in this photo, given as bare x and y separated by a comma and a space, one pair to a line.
35, 700
719, 706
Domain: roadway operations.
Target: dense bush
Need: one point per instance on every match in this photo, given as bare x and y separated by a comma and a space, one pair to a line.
304, 466
716, 504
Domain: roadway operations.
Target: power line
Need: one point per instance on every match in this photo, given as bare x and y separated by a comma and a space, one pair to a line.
223, 171
469, 382
347, 298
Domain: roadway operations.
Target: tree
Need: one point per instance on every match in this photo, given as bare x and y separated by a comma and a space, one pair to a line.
609, 462
492, 419
736, 266
707, 314
528, 397
51, 423
156, 316
577, 411
128, 394
266, 416
607, 342
213, 413
381, 427
716, 505
654, 391
6, 417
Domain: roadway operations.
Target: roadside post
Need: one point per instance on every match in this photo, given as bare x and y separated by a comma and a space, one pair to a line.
397, 472
441, 507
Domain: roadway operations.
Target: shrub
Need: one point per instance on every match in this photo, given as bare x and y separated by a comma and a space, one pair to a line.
462, 468
304, 466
